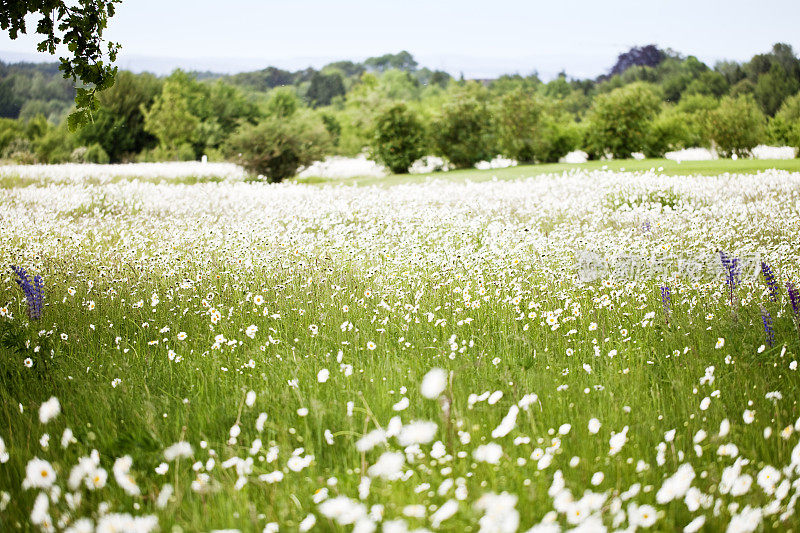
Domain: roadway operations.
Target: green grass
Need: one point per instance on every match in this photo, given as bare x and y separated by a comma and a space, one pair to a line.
661, 166
159, 402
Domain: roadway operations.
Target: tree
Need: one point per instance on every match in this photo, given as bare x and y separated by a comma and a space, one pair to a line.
462, 133
170, 118
400, 61
195, 115
520, 125
785, 126
774, 87
324, 87
399, 138
709, 83
79, 28
119, 125
619, 120
736, 126
670, 130
649, 56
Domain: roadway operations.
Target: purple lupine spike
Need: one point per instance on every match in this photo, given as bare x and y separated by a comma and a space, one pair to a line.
769, 331
732, 270
38, 295
34, 293
794, 298
769, 278
666, 300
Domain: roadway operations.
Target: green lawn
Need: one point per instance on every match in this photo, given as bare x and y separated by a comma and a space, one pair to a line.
663, 166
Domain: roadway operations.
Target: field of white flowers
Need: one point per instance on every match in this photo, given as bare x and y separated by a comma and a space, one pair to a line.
586, 351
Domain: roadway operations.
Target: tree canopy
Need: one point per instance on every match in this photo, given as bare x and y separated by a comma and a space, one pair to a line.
78, 27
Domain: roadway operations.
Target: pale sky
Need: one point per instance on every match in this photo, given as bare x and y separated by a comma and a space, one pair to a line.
479, 38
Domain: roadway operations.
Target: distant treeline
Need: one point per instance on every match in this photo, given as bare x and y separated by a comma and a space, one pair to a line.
273, 120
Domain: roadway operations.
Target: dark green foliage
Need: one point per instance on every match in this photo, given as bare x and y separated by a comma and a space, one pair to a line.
324, 88
462, 132
275, 148
119, 123
774, 87
619, 121
21, 83
736, 126
399, 138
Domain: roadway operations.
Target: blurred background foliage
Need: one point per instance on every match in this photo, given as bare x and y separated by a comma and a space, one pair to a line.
651, 101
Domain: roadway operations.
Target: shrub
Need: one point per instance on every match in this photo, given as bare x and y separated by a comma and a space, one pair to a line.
736, 126
55, 146
462, 133
19, 150
96, 154
89, 154
619, 121
182, 152
398, 139
276, 148
670, 130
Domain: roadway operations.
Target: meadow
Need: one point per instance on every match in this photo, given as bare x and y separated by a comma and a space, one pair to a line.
581, 348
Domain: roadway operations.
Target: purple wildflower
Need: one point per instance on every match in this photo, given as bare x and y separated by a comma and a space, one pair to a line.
732, 270
794, 298
34, 292
769, 331
666, 301
769, 278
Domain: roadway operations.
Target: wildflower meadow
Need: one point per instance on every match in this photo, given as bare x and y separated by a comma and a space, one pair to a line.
588, 350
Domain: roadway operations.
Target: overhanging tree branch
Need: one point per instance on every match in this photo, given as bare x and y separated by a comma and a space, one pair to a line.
79, 26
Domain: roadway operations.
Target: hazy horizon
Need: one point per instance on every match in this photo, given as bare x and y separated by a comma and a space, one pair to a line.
588, 66
481, 40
